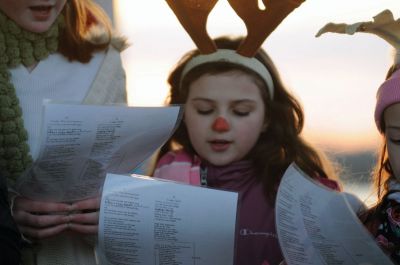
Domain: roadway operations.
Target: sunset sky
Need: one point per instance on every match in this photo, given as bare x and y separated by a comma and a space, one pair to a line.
334, 76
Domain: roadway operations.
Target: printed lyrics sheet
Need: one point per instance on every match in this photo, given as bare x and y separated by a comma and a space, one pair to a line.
150, 221
317, 226
81, 143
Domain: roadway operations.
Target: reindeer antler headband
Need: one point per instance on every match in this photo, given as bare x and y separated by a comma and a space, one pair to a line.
385, 27
193, 14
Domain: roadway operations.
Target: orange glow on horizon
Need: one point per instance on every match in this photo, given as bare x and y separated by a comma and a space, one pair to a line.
344, 142
335, 76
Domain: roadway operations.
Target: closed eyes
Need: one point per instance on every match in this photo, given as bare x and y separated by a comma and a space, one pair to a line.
241, 113
204, 112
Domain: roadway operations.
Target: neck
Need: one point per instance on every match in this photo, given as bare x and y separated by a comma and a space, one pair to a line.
25, 47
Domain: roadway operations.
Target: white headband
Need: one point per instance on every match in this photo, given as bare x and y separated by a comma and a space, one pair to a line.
231, 56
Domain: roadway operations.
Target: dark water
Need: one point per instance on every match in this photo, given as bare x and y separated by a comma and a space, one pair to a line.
363, 191
356, 173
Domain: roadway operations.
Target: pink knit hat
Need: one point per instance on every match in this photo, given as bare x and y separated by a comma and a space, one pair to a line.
388, 94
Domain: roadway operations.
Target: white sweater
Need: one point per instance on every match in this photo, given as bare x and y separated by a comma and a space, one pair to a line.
56, 79
102, 81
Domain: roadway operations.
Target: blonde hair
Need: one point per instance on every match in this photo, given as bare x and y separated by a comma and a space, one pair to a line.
77, 41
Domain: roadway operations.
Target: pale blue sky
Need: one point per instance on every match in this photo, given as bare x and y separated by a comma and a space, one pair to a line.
334, 76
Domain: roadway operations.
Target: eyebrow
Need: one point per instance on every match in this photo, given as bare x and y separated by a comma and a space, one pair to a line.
202, 99
235, 101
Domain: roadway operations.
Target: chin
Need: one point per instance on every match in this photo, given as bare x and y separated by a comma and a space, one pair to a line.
40, 28
220, 162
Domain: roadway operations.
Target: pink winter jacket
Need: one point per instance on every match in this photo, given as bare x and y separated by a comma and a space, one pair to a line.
180, 166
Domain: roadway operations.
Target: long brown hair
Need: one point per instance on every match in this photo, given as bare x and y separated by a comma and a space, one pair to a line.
80, 16
280, 144
383, 170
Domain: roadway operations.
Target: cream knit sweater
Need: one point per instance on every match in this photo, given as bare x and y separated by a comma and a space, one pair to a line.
102, 81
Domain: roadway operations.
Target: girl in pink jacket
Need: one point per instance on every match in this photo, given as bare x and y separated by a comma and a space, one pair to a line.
241, 130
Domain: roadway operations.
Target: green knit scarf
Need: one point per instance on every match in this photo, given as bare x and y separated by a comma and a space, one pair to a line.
18, 46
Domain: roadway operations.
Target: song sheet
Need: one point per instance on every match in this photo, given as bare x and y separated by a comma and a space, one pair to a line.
317, 226
150, 221
81, 143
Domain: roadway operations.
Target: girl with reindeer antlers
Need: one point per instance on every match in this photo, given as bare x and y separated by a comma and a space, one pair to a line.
383, 220
241, 128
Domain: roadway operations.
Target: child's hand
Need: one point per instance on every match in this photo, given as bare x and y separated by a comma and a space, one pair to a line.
37, 219
85, 218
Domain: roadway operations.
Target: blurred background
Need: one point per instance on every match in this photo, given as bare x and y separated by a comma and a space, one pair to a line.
335, 76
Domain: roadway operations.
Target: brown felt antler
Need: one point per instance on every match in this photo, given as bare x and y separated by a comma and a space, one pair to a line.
261, 23
193, 14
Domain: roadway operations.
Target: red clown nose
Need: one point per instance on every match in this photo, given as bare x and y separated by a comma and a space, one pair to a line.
220, 125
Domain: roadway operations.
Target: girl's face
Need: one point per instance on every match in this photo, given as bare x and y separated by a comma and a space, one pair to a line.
33, 15
224, 116
392, 135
